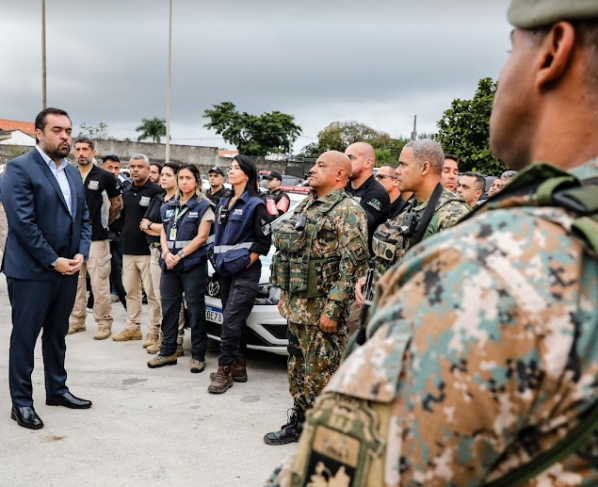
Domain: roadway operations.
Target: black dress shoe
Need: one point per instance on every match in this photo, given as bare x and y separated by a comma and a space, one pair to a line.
68, 401
26, 417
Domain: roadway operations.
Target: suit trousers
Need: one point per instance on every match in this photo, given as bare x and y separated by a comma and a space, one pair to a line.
136, 270
36, 306
98, 267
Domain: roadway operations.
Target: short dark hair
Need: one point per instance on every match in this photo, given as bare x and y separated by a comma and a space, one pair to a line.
391, 166
158, 165
40, 120
453, 157
85, 140
480, 181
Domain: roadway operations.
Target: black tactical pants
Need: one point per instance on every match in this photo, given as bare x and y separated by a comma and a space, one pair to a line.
238, 295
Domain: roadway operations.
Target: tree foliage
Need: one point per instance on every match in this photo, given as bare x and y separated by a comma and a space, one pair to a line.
153, 129
464, 130
253, 135
339, 135
97, 133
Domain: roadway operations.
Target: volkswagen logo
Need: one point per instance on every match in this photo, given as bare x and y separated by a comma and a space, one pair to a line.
213, 288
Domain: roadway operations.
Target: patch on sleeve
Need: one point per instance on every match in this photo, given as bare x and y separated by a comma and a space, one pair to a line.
358, 250
375, 203
341, 438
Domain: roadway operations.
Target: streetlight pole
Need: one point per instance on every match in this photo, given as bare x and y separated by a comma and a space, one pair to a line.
169, 84
44, 54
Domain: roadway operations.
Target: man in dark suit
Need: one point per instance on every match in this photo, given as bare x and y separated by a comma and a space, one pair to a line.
48, 239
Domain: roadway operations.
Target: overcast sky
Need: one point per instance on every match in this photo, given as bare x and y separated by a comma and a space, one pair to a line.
379, 62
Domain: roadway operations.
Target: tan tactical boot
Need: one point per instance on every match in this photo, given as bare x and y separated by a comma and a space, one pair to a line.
196, 366
102, 334
150, 339
239, 370
76, 328
126, 335
179, 350
155, 348
223, 380
161, 361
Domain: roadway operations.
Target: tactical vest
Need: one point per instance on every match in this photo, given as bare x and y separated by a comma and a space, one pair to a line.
393, 238
233, 234
186, 230
295, 267
544, 185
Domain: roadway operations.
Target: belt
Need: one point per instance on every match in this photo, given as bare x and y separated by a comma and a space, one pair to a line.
155, 244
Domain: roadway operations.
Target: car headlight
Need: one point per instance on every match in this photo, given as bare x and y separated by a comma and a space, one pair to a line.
267, 294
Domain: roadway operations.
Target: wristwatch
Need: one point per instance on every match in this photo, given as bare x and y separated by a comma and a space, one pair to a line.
149, 225
52, 266
181, 254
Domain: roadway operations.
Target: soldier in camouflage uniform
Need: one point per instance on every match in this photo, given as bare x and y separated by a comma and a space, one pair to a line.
419, 171
483, 345
321, 250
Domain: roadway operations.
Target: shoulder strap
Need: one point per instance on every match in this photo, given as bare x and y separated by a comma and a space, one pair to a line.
428, 215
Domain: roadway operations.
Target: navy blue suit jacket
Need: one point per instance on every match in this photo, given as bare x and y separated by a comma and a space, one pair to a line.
41, 229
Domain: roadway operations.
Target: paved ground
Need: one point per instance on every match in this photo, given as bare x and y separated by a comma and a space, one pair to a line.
146, 427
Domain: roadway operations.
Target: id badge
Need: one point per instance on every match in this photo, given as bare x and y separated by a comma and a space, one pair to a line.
172, 234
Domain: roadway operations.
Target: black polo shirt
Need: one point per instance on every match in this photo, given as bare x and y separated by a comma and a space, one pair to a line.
154, 216
96, 182
136, 200
396, 207
374, 199
215, 197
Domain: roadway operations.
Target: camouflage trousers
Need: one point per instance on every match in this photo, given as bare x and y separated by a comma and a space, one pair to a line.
311, 369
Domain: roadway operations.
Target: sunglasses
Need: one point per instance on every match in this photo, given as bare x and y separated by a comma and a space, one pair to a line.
384, 176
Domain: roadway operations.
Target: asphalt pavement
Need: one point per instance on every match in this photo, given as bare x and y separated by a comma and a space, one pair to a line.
147, 427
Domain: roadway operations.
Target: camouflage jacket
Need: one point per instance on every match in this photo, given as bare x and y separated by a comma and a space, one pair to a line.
449, 210
482, 352
341, 232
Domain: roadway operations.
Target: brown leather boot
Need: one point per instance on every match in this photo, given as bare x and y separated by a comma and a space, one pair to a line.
239, 370
223, 380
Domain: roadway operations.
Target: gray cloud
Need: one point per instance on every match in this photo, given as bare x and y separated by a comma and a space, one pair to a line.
379, 62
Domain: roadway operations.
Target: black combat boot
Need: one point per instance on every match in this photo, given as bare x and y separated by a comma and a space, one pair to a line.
289, 432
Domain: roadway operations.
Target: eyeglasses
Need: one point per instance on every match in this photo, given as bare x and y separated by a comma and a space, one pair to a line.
384, 176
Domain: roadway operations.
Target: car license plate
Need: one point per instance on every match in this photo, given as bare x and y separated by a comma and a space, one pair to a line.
214, 314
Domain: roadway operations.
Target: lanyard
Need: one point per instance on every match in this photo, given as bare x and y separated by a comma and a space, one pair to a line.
178, 215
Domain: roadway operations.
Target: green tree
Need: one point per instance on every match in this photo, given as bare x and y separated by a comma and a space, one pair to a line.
464, 130
153, 129
339, 135
253, 135
98, 132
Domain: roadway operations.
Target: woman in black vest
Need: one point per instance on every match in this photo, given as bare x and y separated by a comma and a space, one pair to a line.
186, 223
241, 234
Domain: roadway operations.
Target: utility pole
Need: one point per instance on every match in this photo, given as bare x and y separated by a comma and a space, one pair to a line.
414, 133
167, 157
44, 99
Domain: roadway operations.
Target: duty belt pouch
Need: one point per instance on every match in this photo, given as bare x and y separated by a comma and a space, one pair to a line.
279, 277
298, 275
385, 250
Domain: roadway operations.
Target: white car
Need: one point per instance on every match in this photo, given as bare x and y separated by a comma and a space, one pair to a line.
266, 329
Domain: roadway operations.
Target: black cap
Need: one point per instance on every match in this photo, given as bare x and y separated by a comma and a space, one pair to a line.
273, 174
217, 170
112, 157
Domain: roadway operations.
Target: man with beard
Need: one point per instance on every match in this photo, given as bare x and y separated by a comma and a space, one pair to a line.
48, 240
104, 202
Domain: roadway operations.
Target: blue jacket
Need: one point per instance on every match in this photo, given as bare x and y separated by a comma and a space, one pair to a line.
41, 229
187, 227
234, 237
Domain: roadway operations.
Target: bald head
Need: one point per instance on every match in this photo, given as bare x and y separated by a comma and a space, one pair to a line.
331, 171
363, 160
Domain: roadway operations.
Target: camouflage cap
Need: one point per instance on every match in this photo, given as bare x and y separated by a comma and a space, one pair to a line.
529, 14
